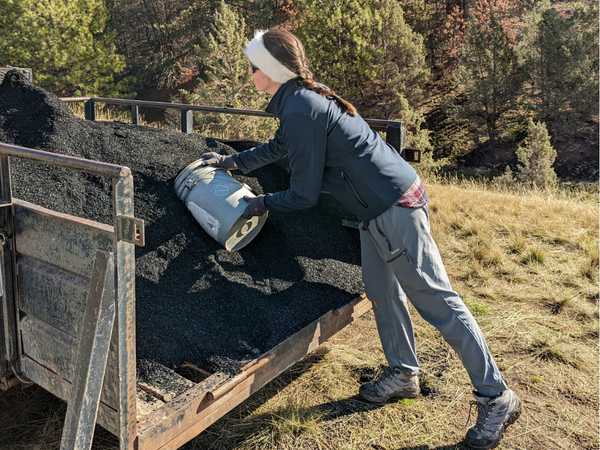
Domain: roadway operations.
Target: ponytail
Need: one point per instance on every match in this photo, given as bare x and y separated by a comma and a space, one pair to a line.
289, 51
325, 91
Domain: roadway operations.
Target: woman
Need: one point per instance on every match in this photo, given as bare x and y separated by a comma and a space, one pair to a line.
331, 148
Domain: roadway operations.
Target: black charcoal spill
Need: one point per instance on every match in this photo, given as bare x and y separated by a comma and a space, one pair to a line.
195, 302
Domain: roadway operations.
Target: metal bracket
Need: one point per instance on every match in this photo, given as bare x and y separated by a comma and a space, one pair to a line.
411, 155
131, 229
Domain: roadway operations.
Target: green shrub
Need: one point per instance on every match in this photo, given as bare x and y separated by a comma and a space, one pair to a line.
536, 157
65, 43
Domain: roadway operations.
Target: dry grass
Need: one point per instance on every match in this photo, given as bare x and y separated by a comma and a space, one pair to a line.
527, 266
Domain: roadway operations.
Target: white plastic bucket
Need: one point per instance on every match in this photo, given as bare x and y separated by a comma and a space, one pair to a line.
214, 198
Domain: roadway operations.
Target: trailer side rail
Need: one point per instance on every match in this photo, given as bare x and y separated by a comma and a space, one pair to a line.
395, 131
49, 246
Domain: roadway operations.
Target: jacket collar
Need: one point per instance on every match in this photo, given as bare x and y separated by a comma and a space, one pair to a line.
275, 106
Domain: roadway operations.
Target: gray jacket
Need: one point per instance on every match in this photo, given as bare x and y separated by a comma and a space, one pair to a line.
328, 151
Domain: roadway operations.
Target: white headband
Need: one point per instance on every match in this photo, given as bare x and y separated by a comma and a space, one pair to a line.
260, 57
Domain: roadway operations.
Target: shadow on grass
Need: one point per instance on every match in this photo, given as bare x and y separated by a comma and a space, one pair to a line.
246, 426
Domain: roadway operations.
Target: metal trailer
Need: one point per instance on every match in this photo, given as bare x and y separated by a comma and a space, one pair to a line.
68, 321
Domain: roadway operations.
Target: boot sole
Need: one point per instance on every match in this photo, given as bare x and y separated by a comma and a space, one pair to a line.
511, 419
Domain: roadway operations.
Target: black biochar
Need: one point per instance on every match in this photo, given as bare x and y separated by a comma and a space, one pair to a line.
195, 302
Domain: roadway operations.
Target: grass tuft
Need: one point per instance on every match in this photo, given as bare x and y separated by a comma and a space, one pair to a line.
533, 256
488, 256
477, 308
517, 244
590, 266
549, 352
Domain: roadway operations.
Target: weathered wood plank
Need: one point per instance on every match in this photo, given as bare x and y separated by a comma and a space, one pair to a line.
54, 295
56, 350
63, 240
3, 363
10, 349
146, 403
108, 417
125, 297
160, 381
189, 414
91, 357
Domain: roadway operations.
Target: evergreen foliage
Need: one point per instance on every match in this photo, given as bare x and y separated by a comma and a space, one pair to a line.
489, 70
536, 157
368, 54
562, 52
225, 79
158, 38
476, 69
65, 42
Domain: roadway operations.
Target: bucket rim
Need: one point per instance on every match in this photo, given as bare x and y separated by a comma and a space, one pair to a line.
250, 236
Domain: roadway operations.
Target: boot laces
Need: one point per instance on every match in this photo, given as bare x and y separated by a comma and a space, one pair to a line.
489, 418
384, 378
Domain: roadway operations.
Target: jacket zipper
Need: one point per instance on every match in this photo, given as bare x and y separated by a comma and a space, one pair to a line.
353, 189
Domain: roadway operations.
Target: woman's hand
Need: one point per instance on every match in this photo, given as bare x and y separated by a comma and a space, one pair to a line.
256, 206
216, 160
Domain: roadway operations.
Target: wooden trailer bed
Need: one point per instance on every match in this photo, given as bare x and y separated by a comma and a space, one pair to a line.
67, 280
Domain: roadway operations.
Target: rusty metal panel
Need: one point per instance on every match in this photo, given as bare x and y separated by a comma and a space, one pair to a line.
56, 351
60, 239
52, 294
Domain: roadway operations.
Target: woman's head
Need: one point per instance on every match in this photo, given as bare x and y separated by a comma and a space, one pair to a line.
268, 70
278, 56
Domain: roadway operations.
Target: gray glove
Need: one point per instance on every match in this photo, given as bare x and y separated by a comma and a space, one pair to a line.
256, 206
216, 160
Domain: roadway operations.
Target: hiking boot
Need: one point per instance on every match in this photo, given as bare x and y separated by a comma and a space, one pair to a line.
494, 415
391, 383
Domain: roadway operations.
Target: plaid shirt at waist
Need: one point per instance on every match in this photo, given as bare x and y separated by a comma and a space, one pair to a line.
415, 196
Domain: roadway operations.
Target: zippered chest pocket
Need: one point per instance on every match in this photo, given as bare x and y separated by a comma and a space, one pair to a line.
350, 185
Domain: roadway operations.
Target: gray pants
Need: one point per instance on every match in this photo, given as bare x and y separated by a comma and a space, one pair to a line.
400, 259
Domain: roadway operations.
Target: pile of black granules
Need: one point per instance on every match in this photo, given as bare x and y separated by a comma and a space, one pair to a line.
195, 302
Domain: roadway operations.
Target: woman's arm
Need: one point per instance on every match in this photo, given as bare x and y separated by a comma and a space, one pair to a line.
306, 141
262, 154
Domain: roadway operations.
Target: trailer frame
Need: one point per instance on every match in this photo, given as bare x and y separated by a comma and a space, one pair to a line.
48, 262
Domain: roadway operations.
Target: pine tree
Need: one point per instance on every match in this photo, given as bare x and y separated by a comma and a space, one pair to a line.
224, 80
158, 38
489, 70
367, 53
65, 43
561, 49
536, 157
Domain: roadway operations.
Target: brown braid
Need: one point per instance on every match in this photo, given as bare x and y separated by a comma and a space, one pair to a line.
289, 51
